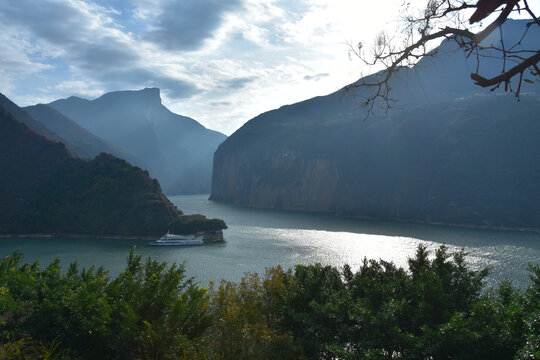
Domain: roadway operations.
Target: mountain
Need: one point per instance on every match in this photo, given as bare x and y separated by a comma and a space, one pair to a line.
43, 189
177, 149
88, 144
445, 73
446, 153
38, 127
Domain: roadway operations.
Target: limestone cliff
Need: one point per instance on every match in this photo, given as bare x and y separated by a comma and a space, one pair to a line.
471, 162
446, 152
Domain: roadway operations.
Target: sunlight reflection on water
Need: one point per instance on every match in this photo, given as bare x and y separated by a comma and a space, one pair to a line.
340, 248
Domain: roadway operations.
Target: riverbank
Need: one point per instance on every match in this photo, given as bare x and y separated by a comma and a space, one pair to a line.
368, 218
208, 236
75, 236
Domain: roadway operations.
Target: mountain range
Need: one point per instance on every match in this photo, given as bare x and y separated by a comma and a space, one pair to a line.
177, 150
46, 190
82, 143
446, 152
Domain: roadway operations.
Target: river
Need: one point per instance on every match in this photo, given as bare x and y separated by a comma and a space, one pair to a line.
257, 239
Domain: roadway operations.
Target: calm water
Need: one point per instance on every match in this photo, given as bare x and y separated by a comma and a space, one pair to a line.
257, 239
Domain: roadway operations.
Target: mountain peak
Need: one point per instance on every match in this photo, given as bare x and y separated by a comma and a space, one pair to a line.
76, 98
152, 91
144, 96
153, 94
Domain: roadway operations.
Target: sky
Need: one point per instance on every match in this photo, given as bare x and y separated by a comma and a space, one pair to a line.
221, 62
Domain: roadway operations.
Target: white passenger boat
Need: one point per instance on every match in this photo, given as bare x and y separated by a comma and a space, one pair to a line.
178, 240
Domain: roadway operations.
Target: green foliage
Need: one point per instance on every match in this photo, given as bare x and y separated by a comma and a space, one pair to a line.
531, 307
187, 225
246, 319
434, 309
43, 190
27, 349
150, 311
104, 196
160, 314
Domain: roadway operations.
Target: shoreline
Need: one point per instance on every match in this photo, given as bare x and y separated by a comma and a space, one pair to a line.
76, 236
404, 221
208, 237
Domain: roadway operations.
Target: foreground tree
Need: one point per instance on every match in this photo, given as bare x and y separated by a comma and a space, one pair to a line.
452, 19
436, 308
150, 311
433, 309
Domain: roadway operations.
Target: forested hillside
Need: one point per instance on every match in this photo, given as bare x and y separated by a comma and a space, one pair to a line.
44, 190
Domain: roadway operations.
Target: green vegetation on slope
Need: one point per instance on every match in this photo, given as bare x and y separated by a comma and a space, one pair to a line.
43, 190
435, 309
103, 196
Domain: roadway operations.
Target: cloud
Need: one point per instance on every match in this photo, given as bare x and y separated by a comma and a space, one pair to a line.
57, 22
105, 55
176, 88
78, 88
71, 29
137, 77
185, 24
86, 38
220, 103
15, 57
237, 83
316, 77
246, 56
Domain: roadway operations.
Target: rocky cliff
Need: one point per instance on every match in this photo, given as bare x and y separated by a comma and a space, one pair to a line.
470, 162
447, 151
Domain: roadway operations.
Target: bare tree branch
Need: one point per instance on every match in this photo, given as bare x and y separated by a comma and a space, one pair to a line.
505, 77
421, 30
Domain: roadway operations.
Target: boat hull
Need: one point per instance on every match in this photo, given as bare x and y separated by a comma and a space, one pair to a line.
177, 243
178, 240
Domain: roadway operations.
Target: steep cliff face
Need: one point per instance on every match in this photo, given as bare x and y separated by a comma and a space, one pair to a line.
471, 162
443, 154
281, 180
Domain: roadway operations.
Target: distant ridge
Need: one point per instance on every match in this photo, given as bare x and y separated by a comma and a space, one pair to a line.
174, 148
39, 128
75, 134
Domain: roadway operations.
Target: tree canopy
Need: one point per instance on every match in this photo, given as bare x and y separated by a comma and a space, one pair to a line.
436, 308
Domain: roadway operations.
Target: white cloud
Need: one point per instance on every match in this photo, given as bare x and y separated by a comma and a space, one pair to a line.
86, 88
17, 56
